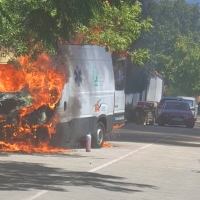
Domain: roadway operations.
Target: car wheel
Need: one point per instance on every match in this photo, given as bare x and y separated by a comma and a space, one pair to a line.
98, 136
190, 126
160, 123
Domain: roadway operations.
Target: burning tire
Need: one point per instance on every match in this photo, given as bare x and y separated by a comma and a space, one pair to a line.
98, 136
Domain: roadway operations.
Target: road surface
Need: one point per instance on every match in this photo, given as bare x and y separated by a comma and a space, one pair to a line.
145, 163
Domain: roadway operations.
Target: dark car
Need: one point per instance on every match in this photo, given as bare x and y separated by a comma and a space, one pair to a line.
161, 103
176, 113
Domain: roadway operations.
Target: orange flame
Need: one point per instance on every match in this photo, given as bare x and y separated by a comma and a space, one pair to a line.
107, 145
44, 83
11, 79
117, 126
29, 148
41, 77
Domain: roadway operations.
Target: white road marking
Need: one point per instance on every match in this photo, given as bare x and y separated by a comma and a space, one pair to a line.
128, 154
118, 159
42, 192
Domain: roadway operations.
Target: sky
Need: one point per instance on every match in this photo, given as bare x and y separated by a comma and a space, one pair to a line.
190, 1
193, 1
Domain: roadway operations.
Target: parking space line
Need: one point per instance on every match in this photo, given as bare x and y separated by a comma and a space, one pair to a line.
42, 192
131, 153
120, 158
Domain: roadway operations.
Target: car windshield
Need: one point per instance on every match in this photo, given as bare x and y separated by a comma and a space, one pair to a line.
176, 106
190, 102
169, 99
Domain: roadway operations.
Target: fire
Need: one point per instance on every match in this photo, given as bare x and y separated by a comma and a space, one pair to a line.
117, 126
107, 145
41, 77
45, 83
41, 82
28, 147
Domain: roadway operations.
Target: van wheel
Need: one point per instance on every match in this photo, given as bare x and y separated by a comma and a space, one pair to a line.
98, 136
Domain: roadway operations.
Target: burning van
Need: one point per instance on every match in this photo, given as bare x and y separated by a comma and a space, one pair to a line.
61, 99
29, 92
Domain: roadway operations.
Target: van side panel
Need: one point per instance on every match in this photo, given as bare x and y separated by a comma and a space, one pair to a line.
89, 93
155, 89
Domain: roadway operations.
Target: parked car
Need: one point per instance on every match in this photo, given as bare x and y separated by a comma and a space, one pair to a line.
161, 103
193, 105
176, 113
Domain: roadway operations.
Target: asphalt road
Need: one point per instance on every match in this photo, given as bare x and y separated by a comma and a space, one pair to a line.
145, 163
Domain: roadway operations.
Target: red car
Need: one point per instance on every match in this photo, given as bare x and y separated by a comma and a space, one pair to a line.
176, 113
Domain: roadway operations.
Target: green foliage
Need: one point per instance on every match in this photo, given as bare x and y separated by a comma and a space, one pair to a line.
117, 29
26, 23
34, 26
185, 64
174, 43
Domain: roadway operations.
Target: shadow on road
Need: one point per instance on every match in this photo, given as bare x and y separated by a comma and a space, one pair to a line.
25, 176
196, 171
174, 135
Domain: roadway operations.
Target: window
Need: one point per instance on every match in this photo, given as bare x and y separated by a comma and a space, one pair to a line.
176, 106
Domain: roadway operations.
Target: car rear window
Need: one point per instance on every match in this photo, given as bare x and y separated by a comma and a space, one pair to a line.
176, 106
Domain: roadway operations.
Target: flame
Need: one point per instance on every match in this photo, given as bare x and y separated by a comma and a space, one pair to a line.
28, 147
117, 126
10, 79
106, 145
44, 82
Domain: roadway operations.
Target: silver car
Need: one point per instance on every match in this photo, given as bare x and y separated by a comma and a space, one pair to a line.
193, 105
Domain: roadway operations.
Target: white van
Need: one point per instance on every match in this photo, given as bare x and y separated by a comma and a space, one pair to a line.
193, 105
89, 102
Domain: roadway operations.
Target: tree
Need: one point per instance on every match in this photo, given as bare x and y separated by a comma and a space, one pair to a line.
185, 65
116, 29
34, 26
176, 24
